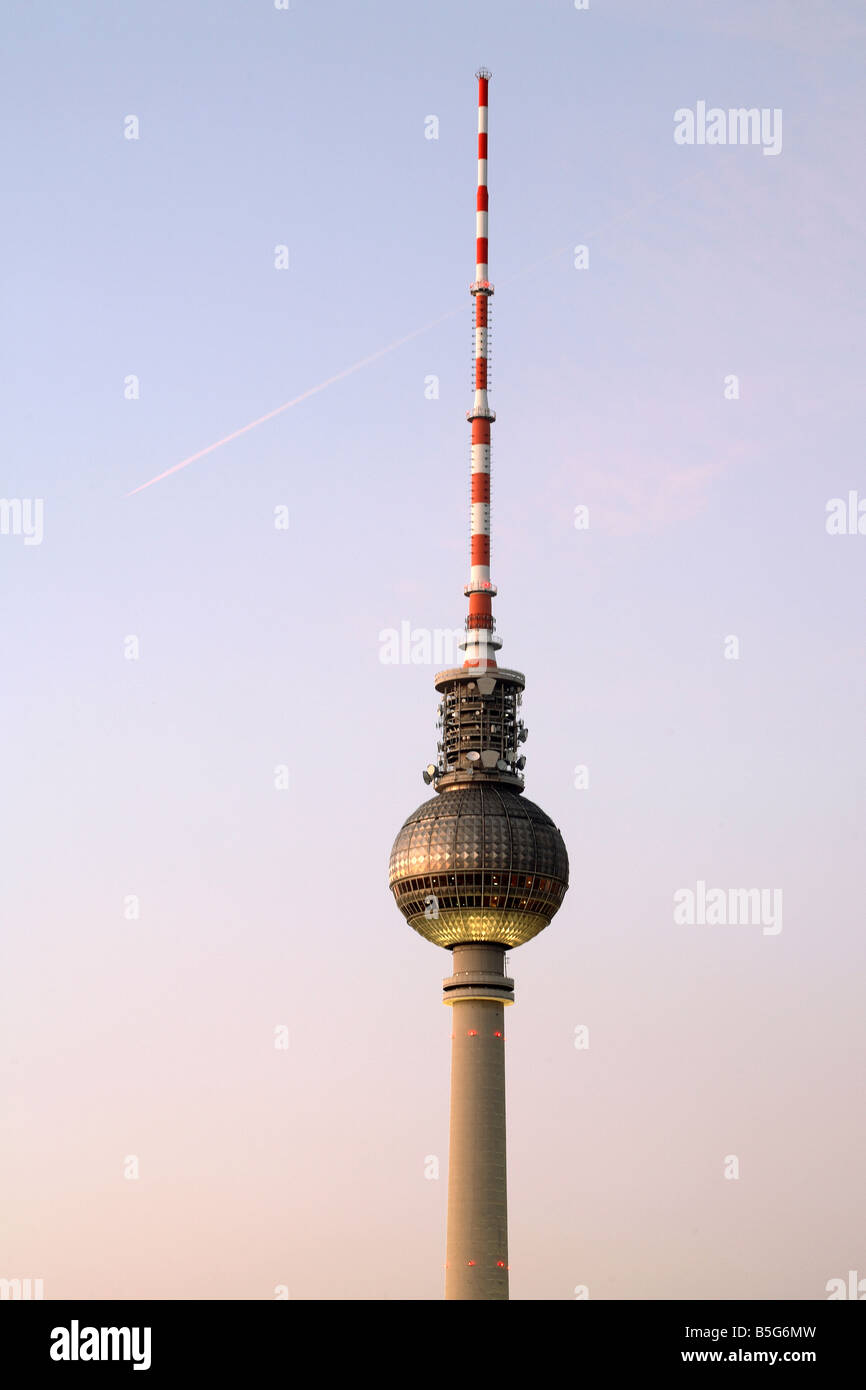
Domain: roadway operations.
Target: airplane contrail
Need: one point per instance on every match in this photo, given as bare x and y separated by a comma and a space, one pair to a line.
391, 347
305, 395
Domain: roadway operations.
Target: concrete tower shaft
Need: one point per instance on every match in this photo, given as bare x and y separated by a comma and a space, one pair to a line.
476, 1265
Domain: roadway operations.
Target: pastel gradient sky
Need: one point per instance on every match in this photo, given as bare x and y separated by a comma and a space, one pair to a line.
258, 647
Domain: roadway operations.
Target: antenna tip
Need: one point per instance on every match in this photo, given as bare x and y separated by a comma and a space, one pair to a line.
484, 73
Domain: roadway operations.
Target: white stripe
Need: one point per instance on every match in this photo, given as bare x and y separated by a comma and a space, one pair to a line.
481, 224
480, 458
481, 342
482, 655
480, 518
482, 120
479, 574
481, 271
482, 173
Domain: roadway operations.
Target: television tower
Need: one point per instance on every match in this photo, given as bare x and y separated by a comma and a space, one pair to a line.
478, 867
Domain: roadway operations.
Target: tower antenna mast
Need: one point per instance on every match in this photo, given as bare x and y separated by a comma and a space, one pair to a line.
481, 647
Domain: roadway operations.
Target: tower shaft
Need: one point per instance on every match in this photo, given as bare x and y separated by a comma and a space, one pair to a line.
477, 1246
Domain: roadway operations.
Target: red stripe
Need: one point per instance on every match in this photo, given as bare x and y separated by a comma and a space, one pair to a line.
481, 374
482, 145
479, 604
480, 431
481, 250
482, 90
481, 202
480, 487
479, 548
481, 311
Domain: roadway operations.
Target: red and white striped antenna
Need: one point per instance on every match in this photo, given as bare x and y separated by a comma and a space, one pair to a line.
480, 644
